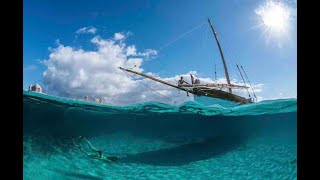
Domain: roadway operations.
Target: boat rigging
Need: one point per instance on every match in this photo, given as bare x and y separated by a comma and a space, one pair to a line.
213, 90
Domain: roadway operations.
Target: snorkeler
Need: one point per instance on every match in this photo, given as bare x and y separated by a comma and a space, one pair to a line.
98, 154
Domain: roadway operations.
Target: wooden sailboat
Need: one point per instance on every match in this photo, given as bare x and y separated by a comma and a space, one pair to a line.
212, 90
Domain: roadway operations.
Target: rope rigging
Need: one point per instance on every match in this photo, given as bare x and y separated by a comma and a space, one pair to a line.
200, 90
215, 72
174, 102
235, 56
233, 69
243, 81
233, 61
181, 36
249, 83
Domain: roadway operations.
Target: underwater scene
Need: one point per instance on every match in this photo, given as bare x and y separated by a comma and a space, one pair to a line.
158, 141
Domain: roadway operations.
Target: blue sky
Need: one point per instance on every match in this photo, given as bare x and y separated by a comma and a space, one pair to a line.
154, 24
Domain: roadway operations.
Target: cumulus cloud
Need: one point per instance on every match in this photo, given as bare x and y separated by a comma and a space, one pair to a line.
148, 53
119, 36
75, 73
87, 30
131, 50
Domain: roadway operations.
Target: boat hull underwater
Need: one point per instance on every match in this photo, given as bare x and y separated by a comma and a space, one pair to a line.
218, 94
221, 98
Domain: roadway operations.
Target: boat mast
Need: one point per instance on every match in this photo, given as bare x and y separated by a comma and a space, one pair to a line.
221, 53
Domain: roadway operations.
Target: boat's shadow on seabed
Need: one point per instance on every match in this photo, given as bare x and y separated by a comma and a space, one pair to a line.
176, 156
187, 153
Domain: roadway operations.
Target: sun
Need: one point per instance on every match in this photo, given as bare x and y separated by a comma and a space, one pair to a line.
275, 17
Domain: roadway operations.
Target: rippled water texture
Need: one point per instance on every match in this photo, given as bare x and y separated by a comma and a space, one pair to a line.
160, 141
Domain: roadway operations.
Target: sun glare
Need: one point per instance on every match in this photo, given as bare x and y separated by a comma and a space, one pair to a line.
275, 17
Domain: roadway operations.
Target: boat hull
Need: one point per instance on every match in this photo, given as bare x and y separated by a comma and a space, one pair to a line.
214, 93
209, 101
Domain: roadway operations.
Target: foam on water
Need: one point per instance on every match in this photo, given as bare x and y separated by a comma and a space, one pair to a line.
160, 141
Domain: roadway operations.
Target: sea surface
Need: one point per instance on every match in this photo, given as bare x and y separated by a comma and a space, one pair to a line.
159, 141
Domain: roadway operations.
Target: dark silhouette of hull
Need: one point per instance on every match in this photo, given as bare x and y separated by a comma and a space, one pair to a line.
214, 93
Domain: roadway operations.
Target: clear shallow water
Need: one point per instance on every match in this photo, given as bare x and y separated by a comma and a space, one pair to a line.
160, 141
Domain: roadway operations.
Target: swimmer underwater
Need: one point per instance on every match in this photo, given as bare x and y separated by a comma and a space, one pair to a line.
97, 154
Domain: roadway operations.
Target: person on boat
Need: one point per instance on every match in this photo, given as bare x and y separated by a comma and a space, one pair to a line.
35, 88
181, 81
197, 81
192, 79
98, 100
86, 98
95, 153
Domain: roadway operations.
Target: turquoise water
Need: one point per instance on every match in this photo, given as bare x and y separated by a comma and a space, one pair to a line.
160, 141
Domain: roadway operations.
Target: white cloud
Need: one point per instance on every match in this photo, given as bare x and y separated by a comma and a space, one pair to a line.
30, 68
119, 36
87, 30
76, 73
131, 50
149, 53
